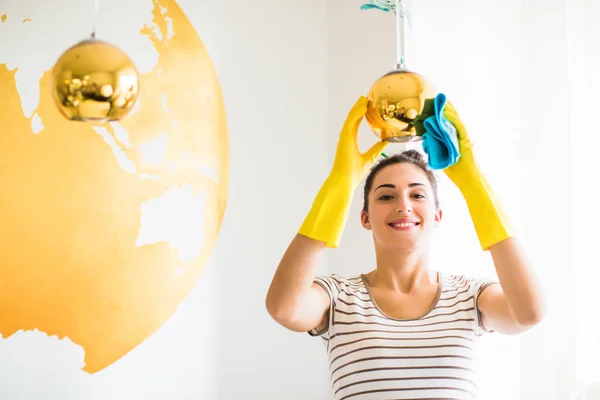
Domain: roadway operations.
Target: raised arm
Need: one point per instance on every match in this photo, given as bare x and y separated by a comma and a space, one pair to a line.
293, 299
517, 303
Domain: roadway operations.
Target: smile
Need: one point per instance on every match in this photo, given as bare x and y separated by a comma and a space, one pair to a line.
402, 225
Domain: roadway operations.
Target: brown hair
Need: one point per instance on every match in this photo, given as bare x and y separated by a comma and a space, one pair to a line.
411, 157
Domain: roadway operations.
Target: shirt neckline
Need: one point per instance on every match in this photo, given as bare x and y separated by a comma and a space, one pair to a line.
433, 306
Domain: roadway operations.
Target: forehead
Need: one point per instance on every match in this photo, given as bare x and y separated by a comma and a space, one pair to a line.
401, 175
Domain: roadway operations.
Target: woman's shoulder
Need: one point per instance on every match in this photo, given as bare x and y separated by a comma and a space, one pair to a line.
460, 282
338, 283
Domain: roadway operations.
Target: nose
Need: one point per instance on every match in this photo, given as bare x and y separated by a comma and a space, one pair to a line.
403, 205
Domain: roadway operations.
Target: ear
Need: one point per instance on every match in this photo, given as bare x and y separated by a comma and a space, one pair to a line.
438, 216
364, 220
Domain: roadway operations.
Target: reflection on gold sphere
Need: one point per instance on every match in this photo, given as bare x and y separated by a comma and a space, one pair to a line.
395, 100
95, 81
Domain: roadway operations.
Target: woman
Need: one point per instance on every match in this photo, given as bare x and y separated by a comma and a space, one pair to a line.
402, 331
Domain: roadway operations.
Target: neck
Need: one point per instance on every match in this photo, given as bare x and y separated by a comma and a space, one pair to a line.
401, 271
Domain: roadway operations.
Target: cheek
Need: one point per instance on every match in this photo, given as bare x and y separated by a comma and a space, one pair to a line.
378, 214
427, 211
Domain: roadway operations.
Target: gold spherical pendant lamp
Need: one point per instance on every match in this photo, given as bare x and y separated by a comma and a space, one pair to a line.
95, 81
397, 99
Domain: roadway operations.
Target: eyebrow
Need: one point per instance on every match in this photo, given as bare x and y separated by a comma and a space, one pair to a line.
392, 186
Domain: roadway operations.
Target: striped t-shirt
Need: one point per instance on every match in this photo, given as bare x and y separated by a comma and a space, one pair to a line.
373, 356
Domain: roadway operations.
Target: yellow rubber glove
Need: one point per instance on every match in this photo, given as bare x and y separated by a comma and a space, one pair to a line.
491, 224
327, 218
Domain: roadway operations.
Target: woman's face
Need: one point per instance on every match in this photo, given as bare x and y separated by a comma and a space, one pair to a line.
402, 211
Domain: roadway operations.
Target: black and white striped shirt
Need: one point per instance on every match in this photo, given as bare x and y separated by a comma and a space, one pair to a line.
374, 356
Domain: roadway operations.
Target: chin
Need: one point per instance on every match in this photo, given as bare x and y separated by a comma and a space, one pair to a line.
396, 244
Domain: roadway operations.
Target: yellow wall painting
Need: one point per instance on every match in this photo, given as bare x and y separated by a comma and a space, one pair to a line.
104, 230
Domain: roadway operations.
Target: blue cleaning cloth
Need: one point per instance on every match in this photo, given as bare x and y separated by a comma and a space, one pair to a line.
440, 140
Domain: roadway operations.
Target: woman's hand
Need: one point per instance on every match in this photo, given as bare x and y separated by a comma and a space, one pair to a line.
466, 168
349, 162
326, 220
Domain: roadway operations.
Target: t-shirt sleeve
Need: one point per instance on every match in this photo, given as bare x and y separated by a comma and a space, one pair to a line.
332, 287
477, 287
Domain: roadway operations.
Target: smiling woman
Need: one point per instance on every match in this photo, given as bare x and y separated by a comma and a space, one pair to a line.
403, 330
402, 193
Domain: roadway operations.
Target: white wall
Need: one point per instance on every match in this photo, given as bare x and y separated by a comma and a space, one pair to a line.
584, 61
272, 61
547, 192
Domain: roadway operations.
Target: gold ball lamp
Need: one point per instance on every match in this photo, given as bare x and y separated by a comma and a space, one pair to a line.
95, 81
395, 101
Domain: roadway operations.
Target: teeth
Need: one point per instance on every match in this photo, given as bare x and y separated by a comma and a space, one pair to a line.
404, 224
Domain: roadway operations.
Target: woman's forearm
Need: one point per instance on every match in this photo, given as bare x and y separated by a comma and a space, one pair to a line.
287, 296
519, 283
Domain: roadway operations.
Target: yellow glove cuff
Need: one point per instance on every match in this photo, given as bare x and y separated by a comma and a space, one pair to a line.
327, 217
491, 223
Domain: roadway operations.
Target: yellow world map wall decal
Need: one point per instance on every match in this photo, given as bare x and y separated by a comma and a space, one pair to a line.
105, 229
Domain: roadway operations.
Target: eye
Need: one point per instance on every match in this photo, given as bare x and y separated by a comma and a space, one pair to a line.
418, 196
385, 197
